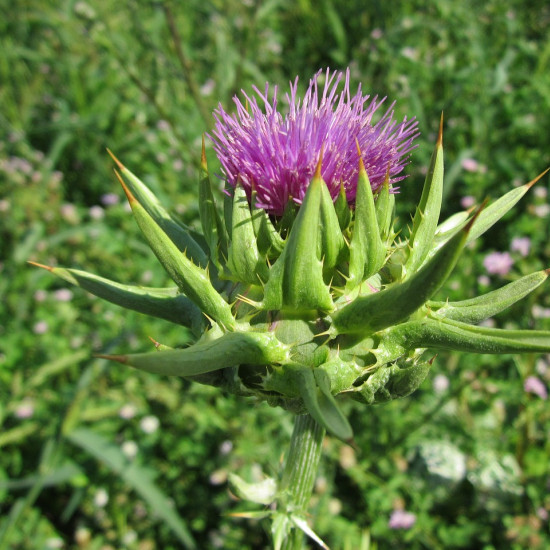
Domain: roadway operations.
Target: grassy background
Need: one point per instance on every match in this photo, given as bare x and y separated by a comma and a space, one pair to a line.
99, 456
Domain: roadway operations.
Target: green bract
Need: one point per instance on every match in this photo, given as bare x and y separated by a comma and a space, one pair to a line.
320, 304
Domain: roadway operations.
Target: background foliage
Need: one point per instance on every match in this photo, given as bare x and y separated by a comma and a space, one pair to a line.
97, 456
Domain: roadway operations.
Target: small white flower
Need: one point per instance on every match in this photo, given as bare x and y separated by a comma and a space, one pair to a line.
96, 212
129, 449
226, 447
127, 411
441, 383
101, 498
149, 424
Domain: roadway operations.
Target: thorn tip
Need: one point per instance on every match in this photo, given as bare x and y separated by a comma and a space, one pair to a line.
440, 134
117, 162
36, 264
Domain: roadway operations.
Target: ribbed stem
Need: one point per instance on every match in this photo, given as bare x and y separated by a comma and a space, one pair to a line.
300, 472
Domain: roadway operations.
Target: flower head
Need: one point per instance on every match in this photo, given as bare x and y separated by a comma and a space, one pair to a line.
277, 154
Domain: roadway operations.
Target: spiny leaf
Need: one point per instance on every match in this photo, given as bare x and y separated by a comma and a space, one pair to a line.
369, 314
190, 278
482, 307
165, 303
427, 212
454, 335
342, 209
270, 243
497, 209
367, 252
179, 234
296, 279
244, 260
229, 350
385, 202
212, 226
314, 388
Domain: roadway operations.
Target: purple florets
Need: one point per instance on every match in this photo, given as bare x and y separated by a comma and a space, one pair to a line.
277, 154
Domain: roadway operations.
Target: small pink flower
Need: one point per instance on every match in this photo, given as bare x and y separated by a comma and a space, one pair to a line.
467, 202
163, 125
40, 295
521, 245
498, 263
24, 410
376, 34
40, 328
110, 199
401, 519
470, 165
63, 295
534, 385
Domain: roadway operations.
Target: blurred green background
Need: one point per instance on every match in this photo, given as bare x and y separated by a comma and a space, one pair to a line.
97, 456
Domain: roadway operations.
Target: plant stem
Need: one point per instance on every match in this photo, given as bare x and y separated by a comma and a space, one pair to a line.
300, 472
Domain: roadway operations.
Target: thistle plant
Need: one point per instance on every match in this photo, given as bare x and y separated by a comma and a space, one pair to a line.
300, 291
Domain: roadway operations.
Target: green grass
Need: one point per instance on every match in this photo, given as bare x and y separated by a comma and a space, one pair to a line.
76, 78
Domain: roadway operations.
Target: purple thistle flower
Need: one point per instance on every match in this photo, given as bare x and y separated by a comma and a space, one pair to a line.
277, 154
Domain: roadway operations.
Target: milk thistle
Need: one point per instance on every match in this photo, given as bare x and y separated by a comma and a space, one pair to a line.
302, 294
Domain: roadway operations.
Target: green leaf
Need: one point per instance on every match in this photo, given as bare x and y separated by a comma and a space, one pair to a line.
212, 226
314, 388
164, 303
229, 350
377, 311
407, 379
367, 252
177, 232
427, 213
343, 210
478, 309
262, 492
296, 279
244, 260
331, 241
270, 243
138, 477
64, 473
228, 206
191, 279
385, 202
454, 335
